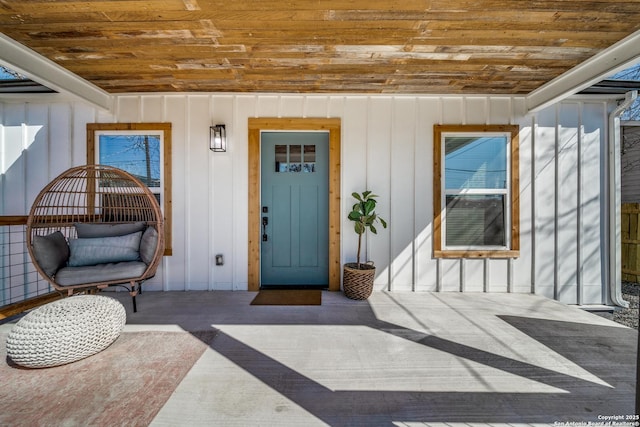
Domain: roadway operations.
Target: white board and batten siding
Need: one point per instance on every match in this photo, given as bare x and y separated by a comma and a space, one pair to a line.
387, 147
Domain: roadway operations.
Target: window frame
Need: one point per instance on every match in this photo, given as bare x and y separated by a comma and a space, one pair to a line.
512, 212
162, 129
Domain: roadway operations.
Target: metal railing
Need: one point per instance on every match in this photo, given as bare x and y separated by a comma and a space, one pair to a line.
19, 280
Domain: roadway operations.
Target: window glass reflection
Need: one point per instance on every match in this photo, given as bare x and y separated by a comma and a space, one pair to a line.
137, 154
475, 162
281, 158
295, 158
309, 159
475, 220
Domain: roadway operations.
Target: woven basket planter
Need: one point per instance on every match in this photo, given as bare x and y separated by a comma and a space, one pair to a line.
358, 283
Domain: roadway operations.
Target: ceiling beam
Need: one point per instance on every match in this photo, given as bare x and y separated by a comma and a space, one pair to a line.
46, 72
600, 66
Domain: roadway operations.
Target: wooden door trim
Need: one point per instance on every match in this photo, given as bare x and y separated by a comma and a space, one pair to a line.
333, 126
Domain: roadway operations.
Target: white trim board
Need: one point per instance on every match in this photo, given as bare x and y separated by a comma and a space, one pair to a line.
615, 58
44, 71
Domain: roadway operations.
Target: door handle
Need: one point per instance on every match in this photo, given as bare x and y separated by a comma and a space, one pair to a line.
265, 222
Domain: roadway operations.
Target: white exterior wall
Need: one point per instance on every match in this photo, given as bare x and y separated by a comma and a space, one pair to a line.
387, 144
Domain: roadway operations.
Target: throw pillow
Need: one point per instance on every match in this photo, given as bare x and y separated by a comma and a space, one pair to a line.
148, 244
88, 230
103, 250
51, 252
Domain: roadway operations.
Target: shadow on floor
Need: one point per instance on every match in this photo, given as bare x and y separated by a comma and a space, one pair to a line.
605, 351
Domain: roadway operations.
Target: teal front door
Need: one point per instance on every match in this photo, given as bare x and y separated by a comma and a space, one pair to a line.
295, 209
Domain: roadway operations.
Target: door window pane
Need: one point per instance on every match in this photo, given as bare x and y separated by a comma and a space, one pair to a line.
309, 159
281, 158
295, 158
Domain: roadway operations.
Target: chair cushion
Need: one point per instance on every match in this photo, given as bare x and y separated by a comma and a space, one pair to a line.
88, 230
102, 250
51, 252
125, 271
148, 244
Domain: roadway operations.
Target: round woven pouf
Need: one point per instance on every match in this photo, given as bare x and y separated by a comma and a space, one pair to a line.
65, 331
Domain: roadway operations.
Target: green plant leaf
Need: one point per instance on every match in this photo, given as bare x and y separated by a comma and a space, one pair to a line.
363, 213
369, 206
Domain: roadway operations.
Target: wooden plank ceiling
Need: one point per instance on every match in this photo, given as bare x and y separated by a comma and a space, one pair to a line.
319, 46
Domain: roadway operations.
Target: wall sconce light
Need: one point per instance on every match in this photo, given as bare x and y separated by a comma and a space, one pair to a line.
218, 138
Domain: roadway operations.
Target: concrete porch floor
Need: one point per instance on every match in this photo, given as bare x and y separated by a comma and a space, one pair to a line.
397, 359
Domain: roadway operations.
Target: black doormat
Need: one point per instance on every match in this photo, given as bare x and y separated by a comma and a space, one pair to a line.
288, 297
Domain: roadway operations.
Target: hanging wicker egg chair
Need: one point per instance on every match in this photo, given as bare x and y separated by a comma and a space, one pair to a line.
93, 227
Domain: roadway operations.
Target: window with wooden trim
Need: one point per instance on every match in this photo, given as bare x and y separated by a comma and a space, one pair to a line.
475, 191
143, 150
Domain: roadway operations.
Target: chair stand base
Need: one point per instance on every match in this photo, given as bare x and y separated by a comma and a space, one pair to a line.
133, 300
133, 288
133, 291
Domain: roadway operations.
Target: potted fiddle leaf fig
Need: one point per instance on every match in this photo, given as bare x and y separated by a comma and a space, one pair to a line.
357, 277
